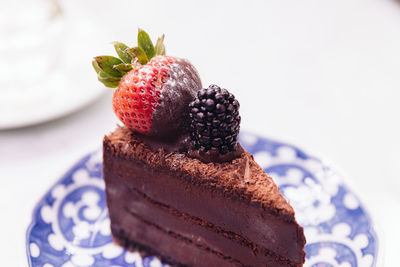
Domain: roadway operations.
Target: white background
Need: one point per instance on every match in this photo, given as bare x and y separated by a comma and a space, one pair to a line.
323, 75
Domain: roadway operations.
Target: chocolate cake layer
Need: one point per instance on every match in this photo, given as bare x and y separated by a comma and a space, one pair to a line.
132, 202
157, 241
227, 209
170, 246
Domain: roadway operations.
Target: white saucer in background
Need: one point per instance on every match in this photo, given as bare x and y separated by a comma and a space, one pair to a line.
53, 76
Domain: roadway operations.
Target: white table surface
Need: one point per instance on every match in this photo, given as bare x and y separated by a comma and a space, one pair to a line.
323, 75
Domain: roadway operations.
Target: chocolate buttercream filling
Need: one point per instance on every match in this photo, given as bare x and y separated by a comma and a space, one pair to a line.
184, 239
187, 218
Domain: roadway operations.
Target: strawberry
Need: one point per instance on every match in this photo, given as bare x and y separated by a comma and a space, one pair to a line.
153, 90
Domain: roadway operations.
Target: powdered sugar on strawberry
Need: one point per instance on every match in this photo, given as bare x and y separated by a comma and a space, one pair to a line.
152, 99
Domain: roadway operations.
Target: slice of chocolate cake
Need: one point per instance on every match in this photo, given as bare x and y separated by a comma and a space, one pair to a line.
194, 213
178, 183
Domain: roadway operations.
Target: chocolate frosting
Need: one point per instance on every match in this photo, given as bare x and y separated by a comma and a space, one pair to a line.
182, 143
214, 155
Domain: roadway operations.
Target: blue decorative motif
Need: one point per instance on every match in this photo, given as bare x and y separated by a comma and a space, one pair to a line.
70, 225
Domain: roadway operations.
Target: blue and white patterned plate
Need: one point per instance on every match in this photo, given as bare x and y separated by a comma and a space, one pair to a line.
70, 225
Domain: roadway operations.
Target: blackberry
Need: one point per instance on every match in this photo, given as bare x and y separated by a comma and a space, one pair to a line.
215, 120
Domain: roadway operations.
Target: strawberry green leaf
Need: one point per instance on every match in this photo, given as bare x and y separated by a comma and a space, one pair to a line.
120, 49
160, 48
106, 65
123, 68
108, 80
139, 54
96, 66
145, 43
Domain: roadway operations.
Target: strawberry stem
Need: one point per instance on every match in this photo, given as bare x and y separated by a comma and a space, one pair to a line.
145, 43
123, 68
120, 49
160, 48
110, 69
137, 52
106, 64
